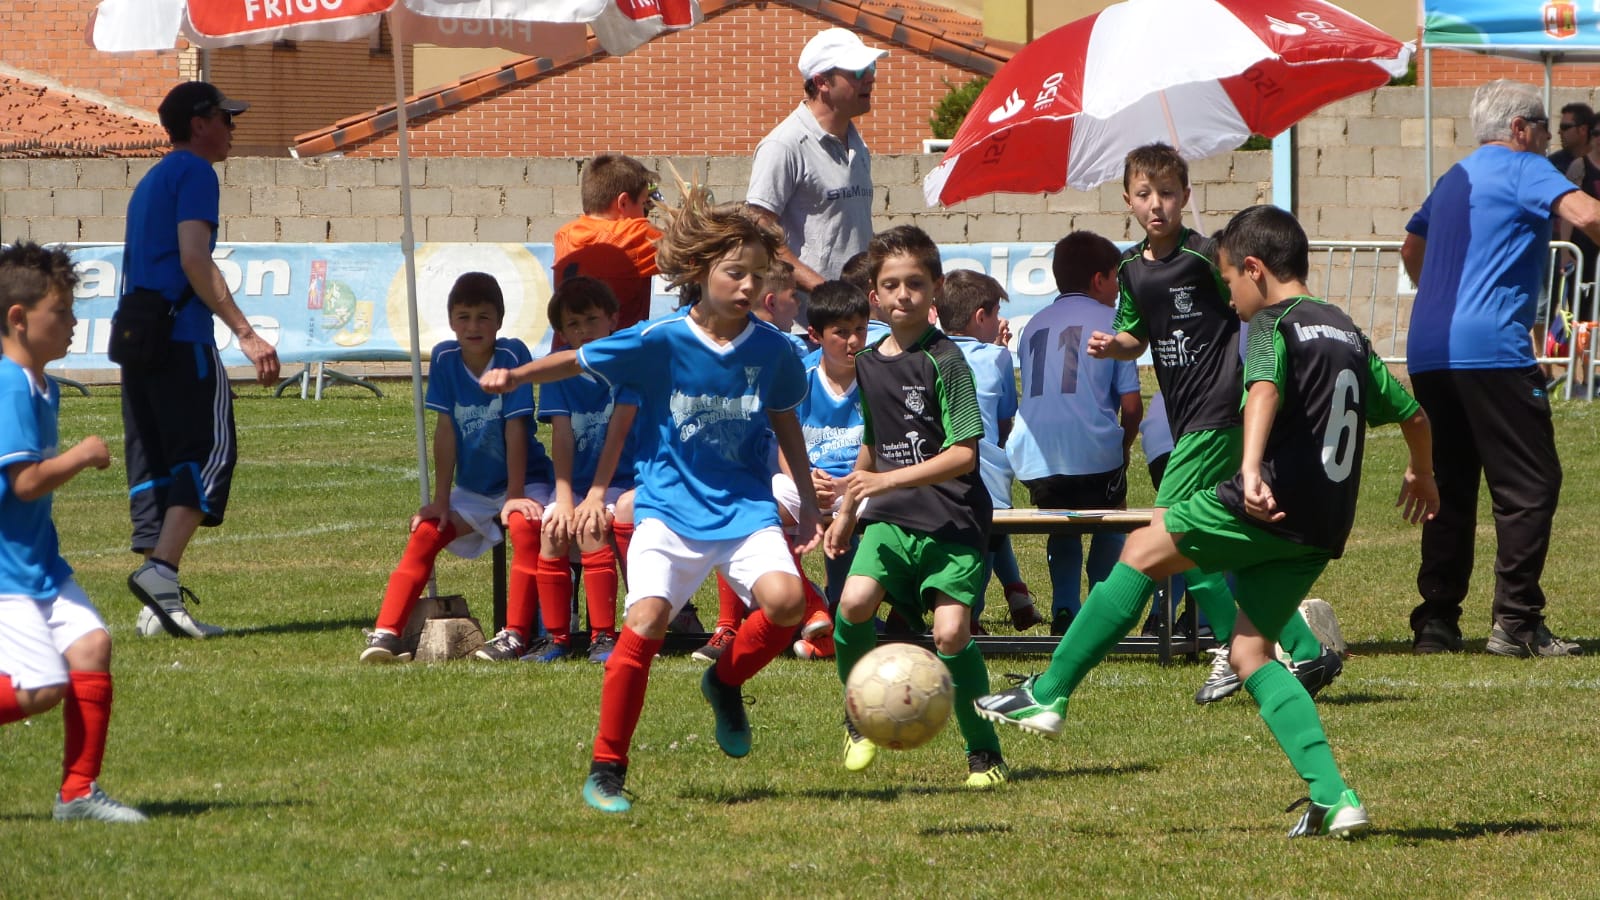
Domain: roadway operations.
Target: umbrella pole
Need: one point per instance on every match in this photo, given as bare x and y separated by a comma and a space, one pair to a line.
408, 250
1172, 131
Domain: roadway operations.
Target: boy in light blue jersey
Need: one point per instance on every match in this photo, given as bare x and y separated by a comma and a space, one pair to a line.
780, 307
969, 312
53, 644
712, 381
1078, 415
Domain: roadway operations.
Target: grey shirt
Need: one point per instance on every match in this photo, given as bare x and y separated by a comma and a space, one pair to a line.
819, 187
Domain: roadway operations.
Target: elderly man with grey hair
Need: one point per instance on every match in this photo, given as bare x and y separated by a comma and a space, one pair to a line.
1478, 250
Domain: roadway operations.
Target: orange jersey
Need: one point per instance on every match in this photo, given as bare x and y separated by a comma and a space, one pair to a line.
619, 252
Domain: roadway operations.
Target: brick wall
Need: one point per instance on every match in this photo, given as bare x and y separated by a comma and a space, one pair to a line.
49, 37
1455, 68
1360, 175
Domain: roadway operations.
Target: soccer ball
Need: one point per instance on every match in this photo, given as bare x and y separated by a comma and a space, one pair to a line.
148, 625
899, 696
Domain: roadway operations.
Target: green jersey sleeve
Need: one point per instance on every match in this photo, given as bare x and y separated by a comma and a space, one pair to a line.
958, 398
1127, 317
1264, 358
1390, 402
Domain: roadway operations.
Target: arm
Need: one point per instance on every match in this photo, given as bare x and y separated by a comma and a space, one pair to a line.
444, 473
805, 277
1122, 345
1411, 253
1418, 492
194, 253
952, 462
1132, 416
31, 481
1260, 408
590, 516
1582, 211
554, 367
837, 541
792, 445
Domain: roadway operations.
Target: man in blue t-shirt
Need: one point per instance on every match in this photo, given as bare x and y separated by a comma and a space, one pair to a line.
1478, 251
177, 414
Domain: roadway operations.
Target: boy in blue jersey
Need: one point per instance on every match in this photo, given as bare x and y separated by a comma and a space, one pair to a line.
53, 644
1313, 385
712, 382
488, 468
780, 307
927, 513
592, 449
1078, 415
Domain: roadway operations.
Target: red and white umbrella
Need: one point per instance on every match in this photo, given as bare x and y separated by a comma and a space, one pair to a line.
1201, 75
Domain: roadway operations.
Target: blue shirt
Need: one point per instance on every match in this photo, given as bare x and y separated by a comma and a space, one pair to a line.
1487, 224
182, 187
702, 427
996, 380
30, 554
479, 418
590, 405
832, 425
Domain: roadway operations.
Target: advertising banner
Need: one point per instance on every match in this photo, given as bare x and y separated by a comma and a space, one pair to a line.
1530, 26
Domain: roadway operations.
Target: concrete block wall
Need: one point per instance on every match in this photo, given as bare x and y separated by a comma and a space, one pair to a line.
1359, 177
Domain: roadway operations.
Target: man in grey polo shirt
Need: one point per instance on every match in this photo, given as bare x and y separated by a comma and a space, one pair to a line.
812, 174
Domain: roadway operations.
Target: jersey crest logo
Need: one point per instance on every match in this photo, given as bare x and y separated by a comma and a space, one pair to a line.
914, 402
1183, 299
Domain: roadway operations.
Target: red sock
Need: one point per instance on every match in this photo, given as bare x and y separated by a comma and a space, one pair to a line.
522, 593
757, 643
622, 533
10, 709
622, 695
411, 576
730, 609
88, 718
555, 597
815, 602
600, 589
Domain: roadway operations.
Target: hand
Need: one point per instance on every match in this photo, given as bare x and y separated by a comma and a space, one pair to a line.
825, 487
94, 452
436, 512
808, 529
520, 505
557, 524
1003, 339
1419, 494
498, 381
1258, 500
859, 485
262, 354
590, 519
836, 542
1100, 344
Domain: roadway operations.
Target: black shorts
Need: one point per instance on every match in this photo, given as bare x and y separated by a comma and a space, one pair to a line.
1102, 490
178, 437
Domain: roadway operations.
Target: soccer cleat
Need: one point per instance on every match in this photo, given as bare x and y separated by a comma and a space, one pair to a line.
546, 650
985, 769
603, 788
1019, 707
95, 806
819, 623
505, 646
383, 647
1346, 818
1222, 682
1316, 674
727, 704
164, 597
712, 651
601, 646
687, 621
858, 751
817, 648
1544, 644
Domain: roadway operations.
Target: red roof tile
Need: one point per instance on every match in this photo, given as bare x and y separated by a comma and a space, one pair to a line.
38, 121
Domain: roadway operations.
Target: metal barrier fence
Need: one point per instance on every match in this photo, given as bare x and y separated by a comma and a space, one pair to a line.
1367, 280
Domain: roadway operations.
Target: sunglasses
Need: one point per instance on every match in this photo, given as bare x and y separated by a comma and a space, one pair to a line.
1540, 121
1568, 126
859, 74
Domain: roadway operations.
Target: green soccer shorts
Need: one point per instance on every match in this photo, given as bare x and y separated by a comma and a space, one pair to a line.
1200, 461
908, 564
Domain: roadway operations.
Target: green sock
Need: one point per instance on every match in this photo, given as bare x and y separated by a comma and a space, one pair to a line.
1298, 639
971, 677
1111, 611
1211, 591
1292, 717
850, 643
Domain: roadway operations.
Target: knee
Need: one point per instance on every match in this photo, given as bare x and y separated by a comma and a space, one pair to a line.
780, 597
38, 700
951, 639
90, 653
649, 617
857, 602
1249, 653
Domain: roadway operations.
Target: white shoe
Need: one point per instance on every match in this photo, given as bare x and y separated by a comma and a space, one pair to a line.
164, 598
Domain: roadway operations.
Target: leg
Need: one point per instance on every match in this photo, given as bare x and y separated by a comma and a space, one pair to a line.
600, 596
960, 654
85, 648
1064, 556
1448, 539
854, 636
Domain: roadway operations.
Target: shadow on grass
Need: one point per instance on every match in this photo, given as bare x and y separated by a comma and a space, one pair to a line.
1403, 648
729, 797
1034, 774
1466, 831
965, 830
1354, 698
301, 627
172, 808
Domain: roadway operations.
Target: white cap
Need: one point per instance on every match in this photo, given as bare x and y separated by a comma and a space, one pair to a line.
836, 48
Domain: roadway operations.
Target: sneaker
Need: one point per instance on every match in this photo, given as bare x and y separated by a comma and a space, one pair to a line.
1543, 644
603, 788
985, 769
97, 807
712, 651
1437, 636
1223, 682
1024, 614
164, 597
816, 648
546, 650
818, 624
1346, 818
727, 703
687, 621
1019, 707
505, 646
383, 647
1324, 623
858, 751
1316, 674
601, 645
1060, 621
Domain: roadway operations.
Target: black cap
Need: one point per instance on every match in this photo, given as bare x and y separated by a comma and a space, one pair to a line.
195, 98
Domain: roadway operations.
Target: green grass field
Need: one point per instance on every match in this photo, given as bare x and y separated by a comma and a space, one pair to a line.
274, 765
